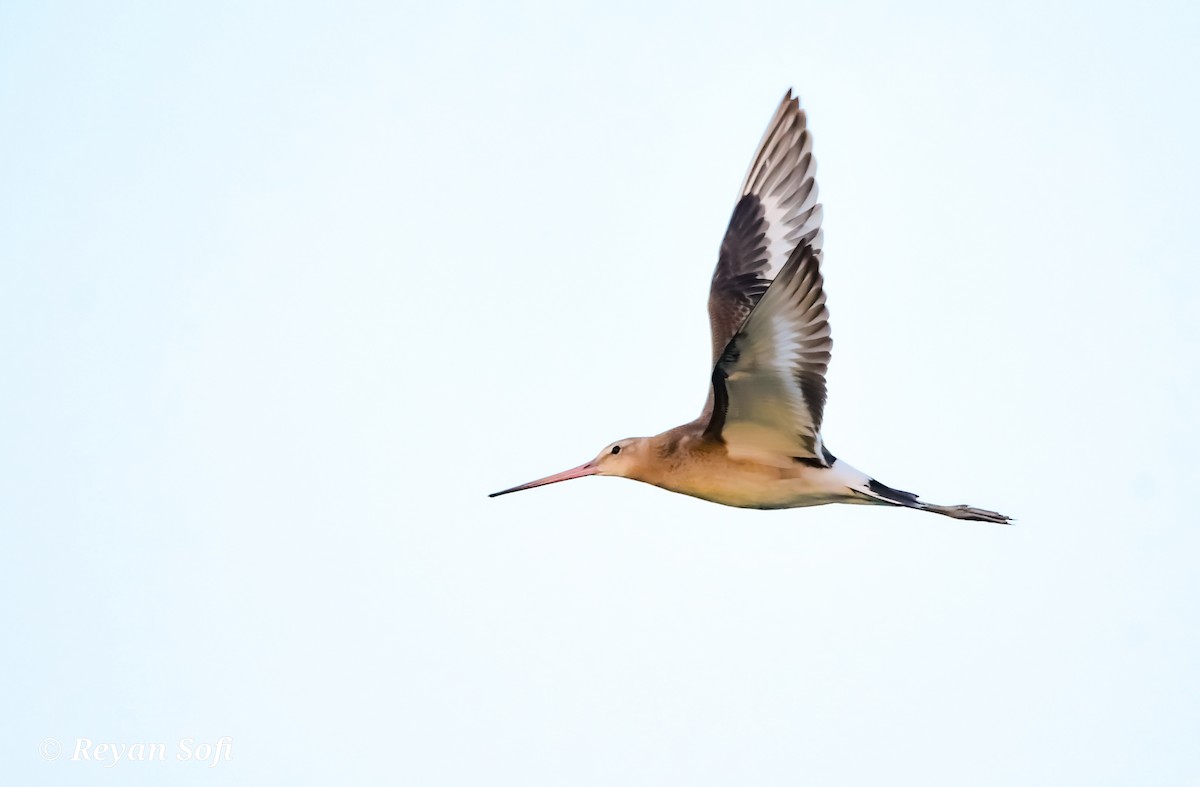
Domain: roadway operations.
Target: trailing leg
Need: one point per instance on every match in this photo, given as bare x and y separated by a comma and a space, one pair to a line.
888, 496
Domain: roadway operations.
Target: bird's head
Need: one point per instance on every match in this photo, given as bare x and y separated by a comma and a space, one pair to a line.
623, 458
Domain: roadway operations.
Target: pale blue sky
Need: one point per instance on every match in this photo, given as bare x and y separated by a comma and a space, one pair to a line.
287, 288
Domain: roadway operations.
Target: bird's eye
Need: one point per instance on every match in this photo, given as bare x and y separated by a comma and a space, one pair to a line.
616, 449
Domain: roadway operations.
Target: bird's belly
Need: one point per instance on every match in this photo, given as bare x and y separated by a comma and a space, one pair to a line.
759, 486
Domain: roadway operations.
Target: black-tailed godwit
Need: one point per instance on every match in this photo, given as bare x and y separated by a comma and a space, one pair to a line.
758, 443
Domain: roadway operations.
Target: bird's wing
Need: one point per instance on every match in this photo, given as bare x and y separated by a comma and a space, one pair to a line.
776, 212
768, 387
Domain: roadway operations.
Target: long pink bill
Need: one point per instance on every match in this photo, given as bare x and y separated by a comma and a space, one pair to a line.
565, 475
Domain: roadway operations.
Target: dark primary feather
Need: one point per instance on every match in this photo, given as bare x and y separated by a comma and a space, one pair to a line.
739, 280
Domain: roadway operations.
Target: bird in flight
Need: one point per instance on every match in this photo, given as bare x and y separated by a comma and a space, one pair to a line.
758, 442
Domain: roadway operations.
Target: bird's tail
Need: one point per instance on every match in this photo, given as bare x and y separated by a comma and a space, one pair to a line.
885, 495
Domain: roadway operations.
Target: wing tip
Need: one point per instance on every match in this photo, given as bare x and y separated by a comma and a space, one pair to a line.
788, 127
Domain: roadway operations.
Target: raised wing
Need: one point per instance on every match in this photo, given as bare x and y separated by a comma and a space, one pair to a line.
776, 212
768, 387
